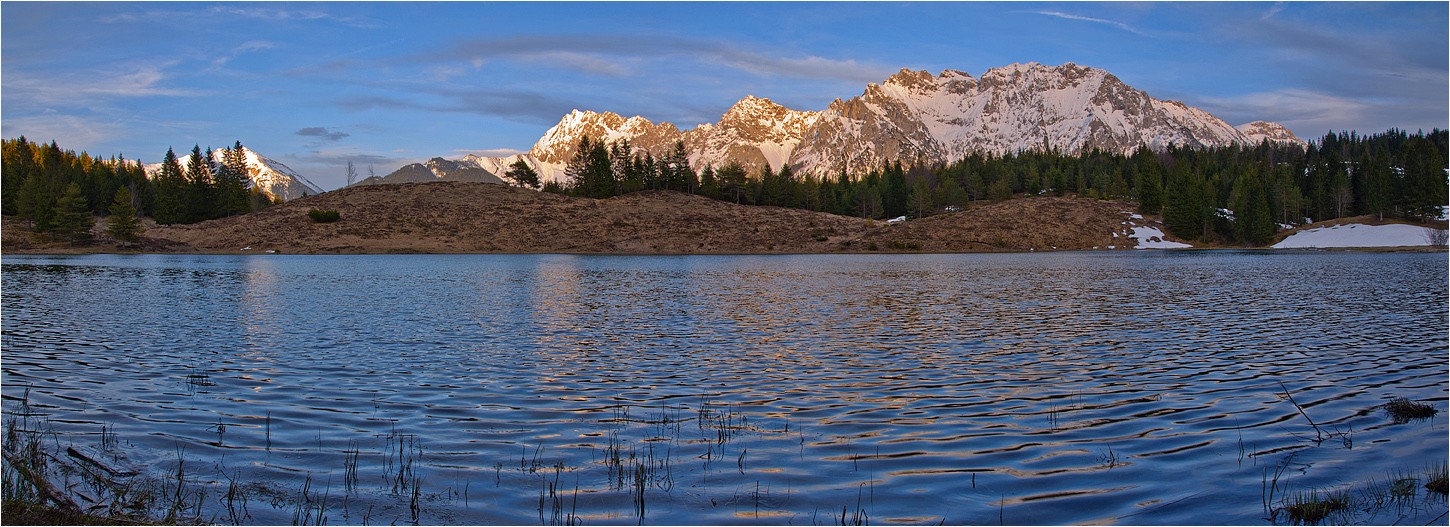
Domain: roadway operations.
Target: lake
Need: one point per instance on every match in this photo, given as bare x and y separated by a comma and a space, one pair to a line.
1147, 387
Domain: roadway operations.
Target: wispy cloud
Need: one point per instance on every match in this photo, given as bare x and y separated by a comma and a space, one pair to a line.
602, 54
1278, 6
271, 14
64, 129
1295, 108
246, 47
80, 87
258, 11
1113, 23
515, 105
494, 152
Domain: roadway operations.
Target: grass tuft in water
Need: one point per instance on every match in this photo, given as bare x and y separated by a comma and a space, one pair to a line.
1435, 479
1314, 506
1403, 410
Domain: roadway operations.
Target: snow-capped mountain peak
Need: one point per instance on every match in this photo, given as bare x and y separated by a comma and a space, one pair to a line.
914, 116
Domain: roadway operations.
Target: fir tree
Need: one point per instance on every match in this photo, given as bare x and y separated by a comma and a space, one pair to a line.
170, 191
1252, 222
1183, 212
709, 187
124, 225
522, 174
732, 180
73, 219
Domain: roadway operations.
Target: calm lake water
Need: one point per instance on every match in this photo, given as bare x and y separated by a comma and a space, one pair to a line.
1102, 387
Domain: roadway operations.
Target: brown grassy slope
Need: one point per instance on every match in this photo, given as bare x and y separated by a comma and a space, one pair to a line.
1039, 223
456, 217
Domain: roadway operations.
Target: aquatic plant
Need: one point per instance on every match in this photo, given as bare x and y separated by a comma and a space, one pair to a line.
1403, 410
1313, 506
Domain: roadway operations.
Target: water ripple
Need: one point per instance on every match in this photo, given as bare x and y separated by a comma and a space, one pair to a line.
1054, 388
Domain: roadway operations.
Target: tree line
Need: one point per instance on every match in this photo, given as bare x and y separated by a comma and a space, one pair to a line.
49, 186
1234, 194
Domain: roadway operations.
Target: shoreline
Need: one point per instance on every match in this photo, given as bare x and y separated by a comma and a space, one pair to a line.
410, 252
463, 218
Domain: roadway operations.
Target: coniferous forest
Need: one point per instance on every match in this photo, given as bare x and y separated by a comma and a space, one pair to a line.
1233, 195
57, 190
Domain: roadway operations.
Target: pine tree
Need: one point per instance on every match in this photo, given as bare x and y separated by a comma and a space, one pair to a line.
17, 168
170, 191
709, 187
73, 219
522, 174
124, 225
1252, 221
1424, 181
732, 180
200, 201
676, 169
1183, 212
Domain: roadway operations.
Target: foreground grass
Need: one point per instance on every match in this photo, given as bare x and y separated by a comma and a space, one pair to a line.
32, 512
1398, 491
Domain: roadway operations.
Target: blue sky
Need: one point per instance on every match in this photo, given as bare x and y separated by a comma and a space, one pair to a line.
385, 84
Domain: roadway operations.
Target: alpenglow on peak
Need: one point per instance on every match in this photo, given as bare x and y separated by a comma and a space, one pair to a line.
918, 117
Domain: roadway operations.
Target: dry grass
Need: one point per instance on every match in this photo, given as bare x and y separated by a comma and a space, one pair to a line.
457, 217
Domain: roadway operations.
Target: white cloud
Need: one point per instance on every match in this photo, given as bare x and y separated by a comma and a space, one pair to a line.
85, 87
64, 129
246, 47
1115, 23
1278, 6
495, 152
589, 54
1293, 108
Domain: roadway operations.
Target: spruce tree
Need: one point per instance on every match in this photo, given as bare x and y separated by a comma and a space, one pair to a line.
1182, 214
73, 219
17, 168
1252, 221
170, 191
124, 225
709, 186
522, 174
36, 203
199, 188
732, 180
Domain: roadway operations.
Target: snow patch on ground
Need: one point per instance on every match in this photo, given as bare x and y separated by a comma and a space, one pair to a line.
1152, 238
1357, 235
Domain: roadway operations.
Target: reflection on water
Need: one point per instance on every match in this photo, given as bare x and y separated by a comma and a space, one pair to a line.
1024, 389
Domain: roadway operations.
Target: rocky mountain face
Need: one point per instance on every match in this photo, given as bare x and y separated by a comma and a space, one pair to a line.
915, 116
274, 178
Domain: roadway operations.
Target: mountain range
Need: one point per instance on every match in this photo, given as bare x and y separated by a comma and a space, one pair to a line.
913, 116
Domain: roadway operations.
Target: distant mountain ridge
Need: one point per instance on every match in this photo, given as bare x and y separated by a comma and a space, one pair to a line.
912, 116
437, 169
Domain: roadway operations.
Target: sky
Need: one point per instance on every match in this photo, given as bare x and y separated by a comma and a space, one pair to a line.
383, 84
